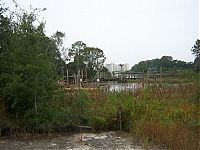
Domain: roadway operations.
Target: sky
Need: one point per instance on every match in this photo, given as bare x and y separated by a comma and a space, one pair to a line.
128, 31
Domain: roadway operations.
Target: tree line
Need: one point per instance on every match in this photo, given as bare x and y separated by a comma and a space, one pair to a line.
166, 63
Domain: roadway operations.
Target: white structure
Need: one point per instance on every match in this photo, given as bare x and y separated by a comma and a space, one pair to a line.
116, 67
125, 67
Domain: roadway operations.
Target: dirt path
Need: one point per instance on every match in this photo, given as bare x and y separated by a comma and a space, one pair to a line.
90, 141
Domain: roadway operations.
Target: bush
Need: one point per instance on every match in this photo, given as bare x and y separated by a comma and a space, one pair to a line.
99, 123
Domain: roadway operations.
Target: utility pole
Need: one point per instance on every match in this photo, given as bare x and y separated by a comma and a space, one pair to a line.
121, 65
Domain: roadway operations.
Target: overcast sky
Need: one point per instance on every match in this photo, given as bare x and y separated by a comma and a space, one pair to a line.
128, 31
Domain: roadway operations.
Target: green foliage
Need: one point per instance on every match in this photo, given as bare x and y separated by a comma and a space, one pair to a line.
80, 108
85, 58
28, 62
166, 63
196, 51
99, 123
76, 53
48, 119
94, 58
196, 48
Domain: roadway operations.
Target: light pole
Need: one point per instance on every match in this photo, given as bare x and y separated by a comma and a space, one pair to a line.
121, 65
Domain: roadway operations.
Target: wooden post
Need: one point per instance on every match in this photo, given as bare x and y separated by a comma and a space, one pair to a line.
67, 76
81, 133
120, 119
148, 73
143, 79
75, 82
86, 75
82, 74
161, 73
97, 78
78, 79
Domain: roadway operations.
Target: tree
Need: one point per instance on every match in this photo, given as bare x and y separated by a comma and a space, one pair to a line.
76, 53
28, 64
166, 62
94, 57
196, 48
57, 46
58, 38
196, 51
83, 57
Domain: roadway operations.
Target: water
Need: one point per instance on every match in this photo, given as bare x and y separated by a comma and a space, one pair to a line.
122, 86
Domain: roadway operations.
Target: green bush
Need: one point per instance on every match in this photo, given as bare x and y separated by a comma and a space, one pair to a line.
99, 123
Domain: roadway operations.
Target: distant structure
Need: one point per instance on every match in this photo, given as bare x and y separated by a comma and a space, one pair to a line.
112, 67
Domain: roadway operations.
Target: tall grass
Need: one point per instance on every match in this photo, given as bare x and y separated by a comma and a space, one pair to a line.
168, 116
165, 114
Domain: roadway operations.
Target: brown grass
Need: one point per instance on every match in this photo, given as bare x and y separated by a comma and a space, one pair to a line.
172, 136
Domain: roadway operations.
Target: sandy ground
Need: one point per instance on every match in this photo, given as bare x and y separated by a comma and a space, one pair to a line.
76, 141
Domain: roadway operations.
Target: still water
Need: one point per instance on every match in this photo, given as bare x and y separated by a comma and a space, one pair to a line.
122, 86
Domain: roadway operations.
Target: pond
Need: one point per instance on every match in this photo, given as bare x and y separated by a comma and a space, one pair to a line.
122, 86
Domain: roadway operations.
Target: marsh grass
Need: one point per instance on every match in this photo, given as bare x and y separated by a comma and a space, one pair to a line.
165, 114
169, 116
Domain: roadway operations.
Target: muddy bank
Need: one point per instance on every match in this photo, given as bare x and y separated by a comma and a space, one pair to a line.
76, 141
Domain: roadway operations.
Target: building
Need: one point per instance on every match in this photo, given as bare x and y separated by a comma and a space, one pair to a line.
112, 67
125, 67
